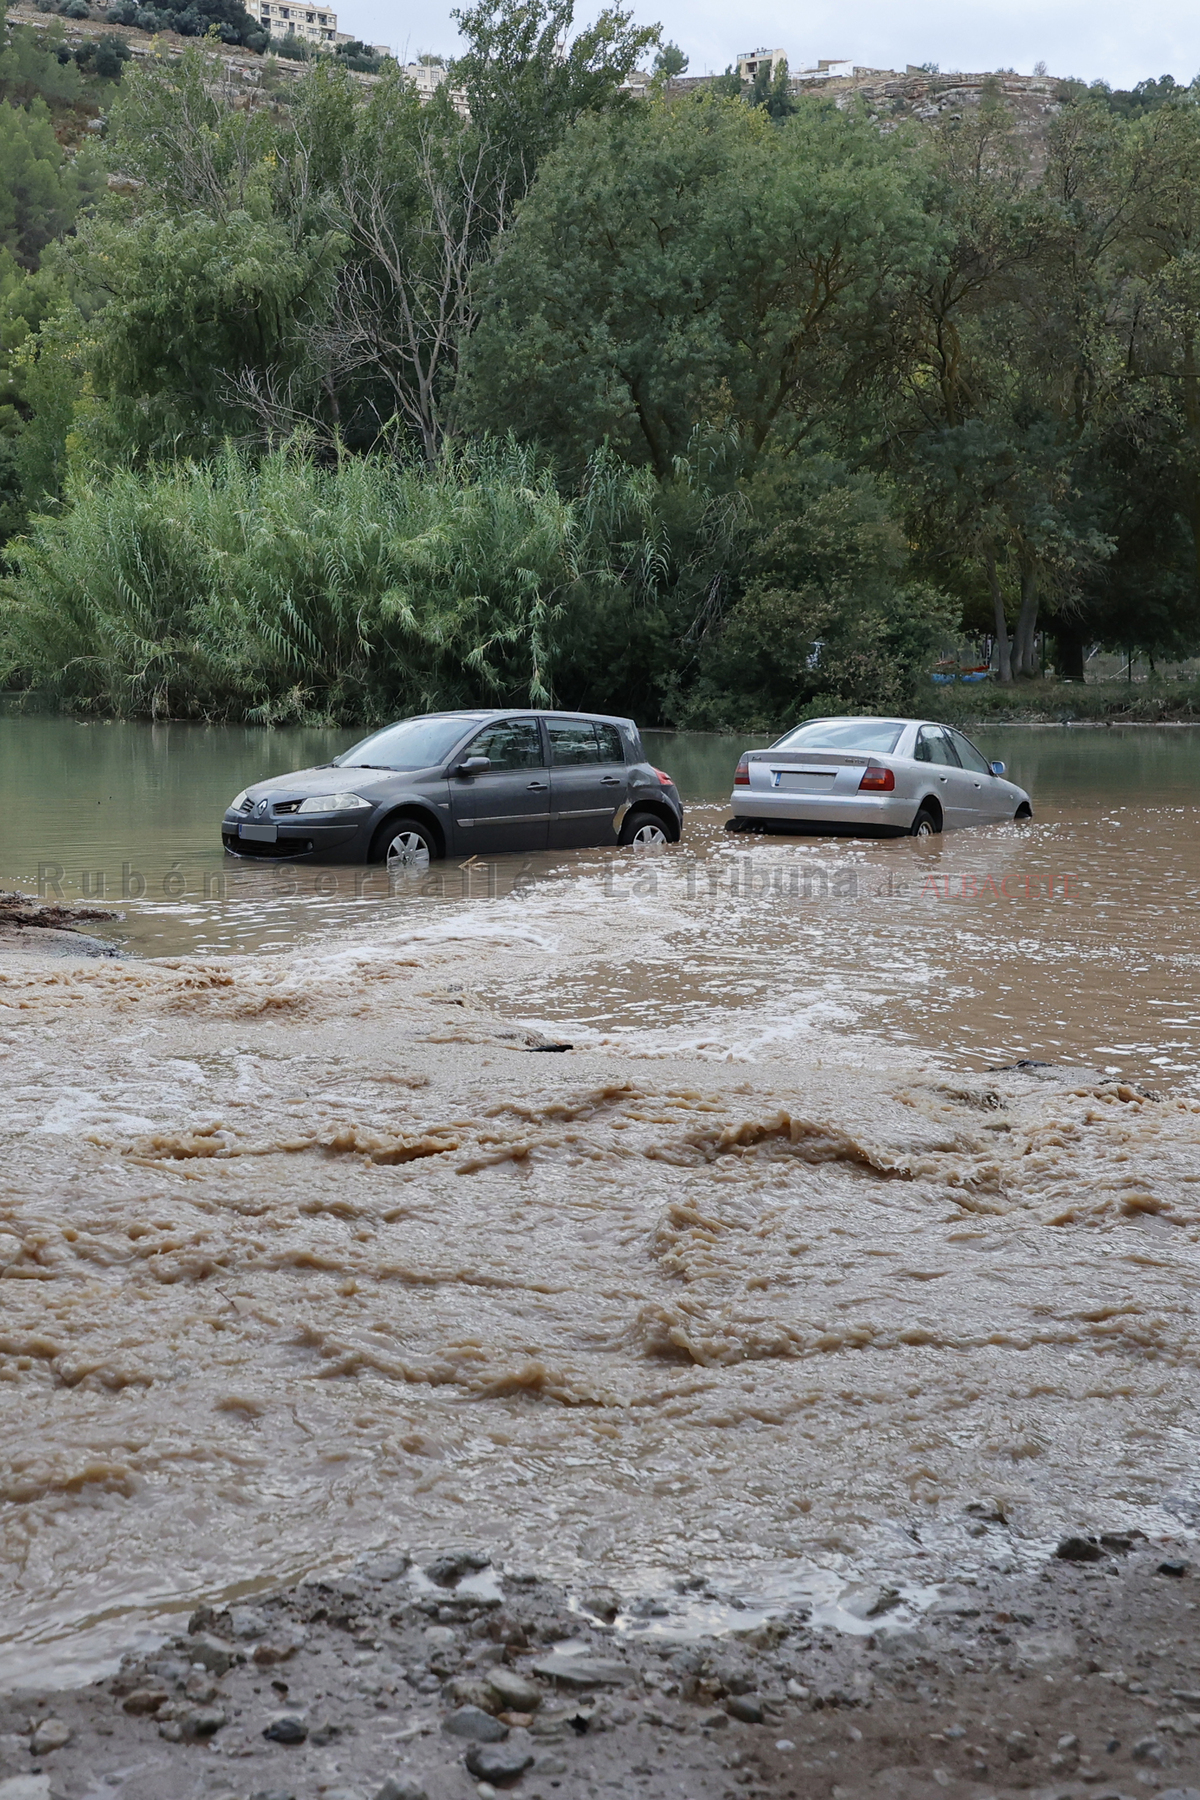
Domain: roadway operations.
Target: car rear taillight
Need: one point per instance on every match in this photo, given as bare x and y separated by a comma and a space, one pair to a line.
876, 779
664, 778
741, 775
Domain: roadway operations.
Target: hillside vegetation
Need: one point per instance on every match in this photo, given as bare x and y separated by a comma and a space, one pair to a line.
714, 406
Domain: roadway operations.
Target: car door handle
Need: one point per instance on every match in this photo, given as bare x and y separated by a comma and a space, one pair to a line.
610, 781
538, 786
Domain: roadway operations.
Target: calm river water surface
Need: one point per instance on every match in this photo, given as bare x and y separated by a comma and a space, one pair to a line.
1073, 939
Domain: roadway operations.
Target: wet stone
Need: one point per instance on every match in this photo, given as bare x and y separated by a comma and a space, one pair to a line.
604, 1603
248, 1622
386, 1568
202, 1722
583, 1671
144, 1701
286, 1728
1079, 1549
217, 1654
734, 1677
25, 1787
472, 1722
452, 1565
470, 1690
50, 1735
746, 1707
494, 1762
516, 1691
395, 1789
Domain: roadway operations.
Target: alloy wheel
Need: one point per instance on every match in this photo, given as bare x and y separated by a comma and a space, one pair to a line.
408, 854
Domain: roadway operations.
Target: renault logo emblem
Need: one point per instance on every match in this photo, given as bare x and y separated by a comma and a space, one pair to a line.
261, 807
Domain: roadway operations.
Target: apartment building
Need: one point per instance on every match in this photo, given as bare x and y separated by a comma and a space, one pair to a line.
279, 17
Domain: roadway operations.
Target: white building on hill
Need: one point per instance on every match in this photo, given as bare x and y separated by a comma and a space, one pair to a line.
281, 17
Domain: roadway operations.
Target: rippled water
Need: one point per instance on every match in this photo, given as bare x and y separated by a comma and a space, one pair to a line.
765, 1280
1070, 939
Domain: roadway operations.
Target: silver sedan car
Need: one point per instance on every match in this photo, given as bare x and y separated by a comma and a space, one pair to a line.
872, 777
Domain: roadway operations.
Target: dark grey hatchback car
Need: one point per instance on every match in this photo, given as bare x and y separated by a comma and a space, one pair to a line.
463, 783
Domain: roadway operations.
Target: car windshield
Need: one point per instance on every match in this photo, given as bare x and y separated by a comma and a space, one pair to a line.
413, 744
844, 734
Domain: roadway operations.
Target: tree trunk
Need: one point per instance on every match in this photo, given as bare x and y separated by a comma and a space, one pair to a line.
1002, 644
1026, 639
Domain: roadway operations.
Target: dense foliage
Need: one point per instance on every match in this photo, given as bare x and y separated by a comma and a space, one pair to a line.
226, 20
712, 406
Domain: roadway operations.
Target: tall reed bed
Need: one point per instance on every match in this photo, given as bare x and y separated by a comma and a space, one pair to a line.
283, 590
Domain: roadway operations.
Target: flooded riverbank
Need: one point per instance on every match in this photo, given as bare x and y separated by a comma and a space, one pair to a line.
765, 1279
1071, 939
308, 1252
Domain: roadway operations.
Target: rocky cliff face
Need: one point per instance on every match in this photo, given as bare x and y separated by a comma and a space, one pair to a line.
892, 97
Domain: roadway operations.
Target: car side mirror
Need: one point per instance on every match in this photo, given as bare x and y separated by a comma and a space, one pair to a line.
997, 768
474, 765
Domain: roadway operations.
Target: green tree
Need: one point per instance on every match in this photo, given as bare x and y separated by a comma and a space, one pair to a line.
175, 127
526, 79
829, 619
191, 307
771, 89
35, 64
40, 191
670, 61
688, 266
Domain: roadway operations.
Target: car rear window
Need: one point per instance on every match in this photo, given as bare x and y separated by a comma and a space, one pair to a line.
575, 741
844, 734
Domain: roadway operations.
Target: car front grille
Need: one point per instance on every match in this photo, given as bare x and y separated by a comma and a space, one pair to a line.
278, 852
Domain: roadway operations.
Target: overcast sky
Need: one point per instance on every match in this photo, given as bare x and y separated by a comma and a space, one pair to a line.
1091, 39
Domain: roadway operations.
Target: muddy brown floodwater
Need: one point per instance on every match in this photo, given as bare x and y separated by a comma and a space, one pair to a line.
766, 1280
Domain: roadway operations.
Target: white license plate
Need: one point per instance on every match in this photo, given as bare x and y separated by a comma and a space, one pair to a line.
261, 834
808, 779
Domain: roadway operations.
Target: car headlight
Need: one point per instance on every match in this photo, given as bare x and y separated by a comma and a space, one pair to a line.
321, 803
237, 800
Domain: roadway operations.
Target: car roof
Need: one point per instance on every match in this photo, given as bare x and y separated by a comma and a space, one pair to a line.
517, 712
855, 719
870, 719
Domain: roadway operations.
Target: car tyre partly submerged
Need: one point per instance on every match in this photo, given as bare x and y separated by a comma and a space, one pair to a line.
644, 831
407, 846
926, 824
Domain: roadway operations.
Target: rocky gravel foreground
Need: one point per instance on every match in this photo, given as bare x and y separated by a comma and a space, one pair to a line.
439, 1678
